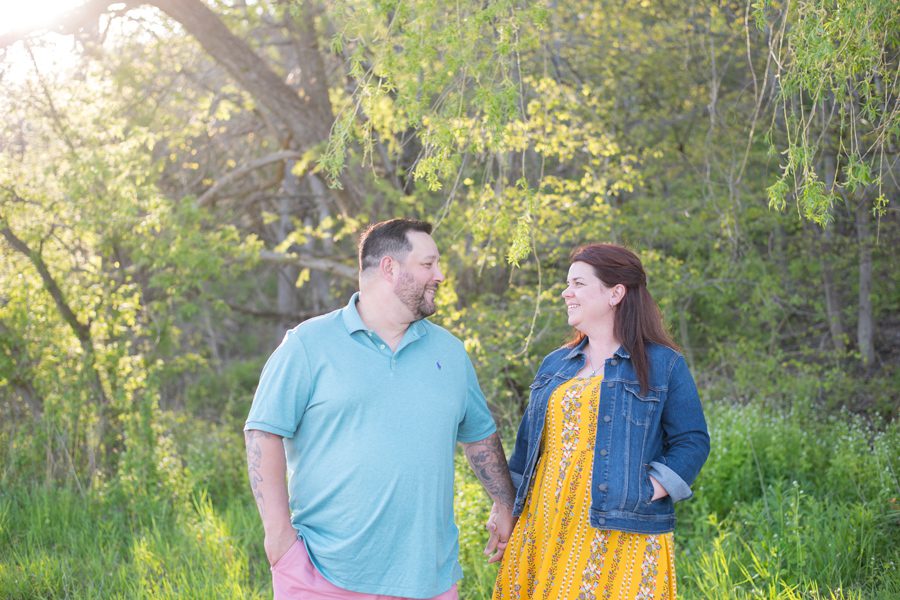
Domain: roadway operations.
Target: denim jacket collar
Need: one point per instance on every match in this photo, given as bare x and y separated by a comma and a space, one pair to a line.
621, 352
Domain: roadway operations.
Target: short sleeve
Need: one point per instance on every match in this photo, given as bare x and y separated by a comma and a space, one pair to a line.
283, 392
477, 423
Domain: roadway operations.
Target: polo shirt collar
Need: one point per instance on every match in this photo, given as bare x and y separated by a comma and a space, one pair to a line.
353, 322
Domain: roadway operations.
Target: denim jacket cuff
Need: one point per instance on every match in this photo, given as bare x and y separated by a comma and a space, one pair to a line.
676, 486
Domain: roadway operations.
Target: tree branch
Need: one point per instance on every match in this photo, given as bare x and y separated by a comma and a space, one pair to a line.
310, 262
307, 122
209, 195
81, 330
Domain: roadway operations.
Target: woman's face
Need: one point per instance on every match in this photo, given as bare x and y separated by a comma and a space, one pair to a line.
588, 301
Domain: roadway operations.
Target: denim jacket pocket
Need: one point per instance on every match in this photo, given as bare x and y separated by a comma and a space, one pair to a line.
639, 408
540, 381
537, 387
646, 486
646, 504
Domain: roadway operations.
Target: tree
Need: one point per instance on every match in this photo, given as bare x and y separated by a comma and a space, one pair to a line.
840, 108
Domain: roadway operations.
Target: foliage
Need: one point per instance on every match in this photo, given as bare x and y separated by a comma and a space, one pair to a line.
837, 60
161, 230
789, 506
127, 264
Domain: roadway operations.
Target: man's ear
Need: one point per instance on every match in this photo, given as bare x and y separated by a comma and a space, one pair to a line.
387, 267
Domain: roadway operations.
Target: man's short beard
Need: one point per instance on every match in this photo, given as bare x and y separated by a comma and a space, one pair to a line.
413, 296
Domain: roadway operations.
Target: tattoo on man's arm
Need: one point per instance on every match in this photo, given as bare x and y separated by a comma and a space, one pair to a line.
489, 463
254, 464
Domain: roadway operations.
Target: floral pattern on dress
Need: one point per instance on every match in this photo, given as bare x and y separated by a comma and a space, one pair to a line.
571, 427
649, 569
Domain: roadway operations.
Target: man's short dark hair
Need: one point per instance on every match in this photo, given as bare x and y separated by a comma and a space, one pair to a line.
387, 238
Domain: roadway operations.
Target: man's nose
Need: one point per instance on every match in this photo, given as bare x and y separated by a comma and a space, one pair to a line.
438, 275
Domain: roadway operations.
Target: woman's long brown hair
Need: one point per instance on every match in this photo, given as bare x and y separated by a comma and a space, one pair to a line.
637, 320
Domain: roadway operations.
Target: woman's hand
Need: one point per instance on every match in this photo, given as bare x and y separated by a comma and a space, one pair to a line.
500, 525
658, 490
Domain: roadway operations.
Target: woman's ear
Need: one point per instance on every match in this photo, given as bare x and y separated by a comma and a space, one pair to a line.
618, 293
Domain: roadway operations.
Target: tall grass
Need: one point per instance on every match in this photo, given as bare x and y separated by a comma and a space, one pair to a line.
57, 544
790, 506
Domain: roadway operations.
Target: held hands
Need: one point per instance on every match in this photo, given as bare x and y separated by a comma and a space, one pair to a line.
500, 524
278, 543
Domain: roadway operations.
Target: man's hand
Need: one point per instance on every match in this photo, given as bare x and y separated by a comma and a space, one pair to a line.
266, 469
278, 543
500, 524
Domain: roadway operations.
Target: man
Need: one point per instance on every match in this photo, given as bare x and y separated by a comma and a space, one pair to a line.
364, 407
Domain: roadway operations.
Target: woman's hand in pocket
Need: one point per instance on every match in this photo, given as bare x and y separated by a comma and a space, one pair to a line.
658, 490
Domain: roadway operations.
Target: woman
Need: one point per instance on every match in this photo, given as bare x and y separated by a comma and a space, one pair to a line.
613, 436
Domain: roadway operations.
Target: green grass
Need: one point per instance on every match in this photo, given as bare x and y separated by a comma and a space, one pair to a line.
57, 544
790, 506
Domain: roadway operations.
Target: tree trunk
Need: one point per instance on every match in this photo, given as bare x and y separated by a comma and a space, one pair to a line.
306, 115
833, 308
865, 326
287, 273
294, 114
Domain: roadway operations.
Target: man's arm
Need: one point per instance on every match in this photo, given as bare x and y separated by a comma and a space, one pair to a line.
267, 469
488, 461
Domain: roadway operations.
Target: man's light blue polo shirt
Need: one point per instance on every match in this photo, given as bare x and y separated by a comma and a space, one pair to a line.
370, 437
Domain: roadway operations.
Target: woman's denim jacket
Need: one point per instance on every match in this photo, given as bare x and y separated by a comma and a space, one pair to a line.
661, 432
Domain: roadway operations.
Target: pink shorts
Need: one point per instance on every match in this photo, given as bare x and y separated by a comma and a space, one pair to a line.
295, 578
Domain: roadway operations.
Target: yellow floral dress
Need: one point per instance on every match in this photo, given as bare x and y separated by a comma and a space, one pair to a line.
554, 553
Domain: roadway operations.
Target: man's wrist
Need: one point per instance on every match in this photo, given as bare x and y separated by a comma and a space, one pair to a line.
502, 506
276, 529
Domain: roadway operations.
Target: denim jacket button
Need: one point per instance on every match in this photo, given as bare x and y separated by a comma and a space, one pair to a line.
602, 487
614, 362
610, 384
603, 452
601, 520
607, 418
